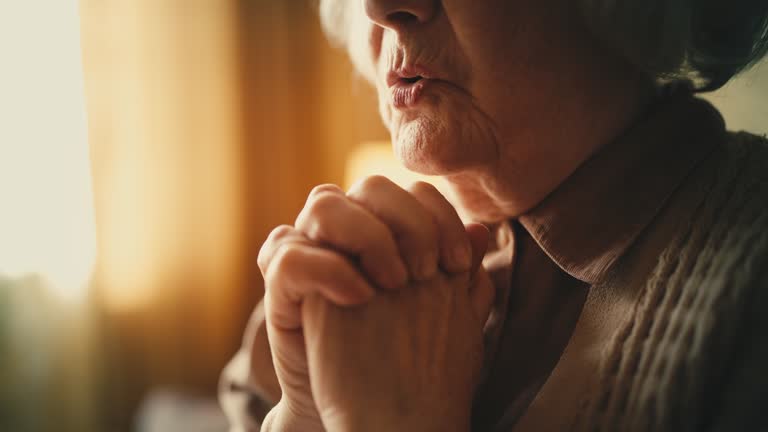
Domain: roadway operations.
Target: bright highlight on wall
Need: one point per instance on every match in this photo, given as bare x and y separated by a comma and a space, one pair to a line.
46, 210
377, 158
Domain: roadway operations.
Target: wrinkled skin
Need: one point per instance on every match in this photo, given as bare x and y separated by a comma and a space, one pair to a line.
432, 302
522, 92
414, 355
371, 294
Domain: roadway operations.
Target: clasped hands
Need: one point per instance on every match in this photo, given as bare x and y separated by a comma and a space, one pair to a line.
375, 304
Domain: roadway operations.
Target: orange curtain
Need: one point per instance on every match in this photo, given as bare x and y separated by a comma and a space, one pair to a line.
209, 124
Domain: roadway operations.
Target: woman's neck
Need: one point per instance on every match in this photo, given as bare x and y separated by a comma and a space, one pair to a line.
587, 116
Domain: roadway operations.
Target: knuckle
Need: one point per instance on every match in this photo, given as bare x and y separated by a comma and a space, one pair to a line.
421, 186
286, 261
322, 203
275, 236
441, 209
263, 260
319, 213
279, 233
374, 183
324, 188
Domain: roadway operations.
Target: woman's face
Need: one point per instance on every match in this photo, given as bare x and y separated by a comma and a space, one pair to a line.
504, 98
464, 84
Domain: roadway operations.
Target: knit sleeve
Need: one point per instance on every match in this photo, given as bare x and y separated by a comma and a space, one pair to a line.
248, 388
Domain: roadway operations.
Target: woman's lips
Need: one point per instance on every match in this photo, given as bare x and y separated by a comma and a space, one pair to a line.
406, 92
406, 84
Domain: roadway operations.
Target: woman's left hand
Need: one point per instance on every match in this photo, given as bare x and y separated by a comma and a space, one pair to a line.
407, 360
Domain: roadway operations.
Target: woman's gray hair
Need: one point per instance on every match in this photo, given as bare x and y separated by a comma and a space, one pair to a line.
334, 16
705, 41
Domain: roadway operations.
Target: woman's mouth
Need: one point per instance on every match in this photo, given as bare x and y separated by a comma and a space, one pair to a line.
405, 91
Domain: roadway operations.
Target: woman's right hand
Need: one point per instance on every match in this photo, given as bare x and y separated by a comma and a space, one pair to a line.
342, 247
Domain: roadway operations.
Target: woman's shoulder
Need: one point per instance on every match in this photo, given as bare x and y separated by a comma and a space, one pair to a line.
747, 153
728, 232
737, 204
737, 198
727, 285
739, 270
724, 210
707, 300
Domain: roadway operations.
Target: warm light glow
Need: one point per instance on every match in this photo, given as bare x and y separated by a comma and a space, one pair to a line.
46, 212
376, 158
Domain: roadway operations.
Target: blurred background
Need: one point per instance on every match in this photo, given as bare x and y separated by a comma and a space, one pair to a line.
147, 147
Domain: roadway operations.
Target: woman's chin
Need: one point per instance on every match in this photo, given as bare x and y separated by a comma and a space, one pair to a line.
434, 145
427, 148
441, 134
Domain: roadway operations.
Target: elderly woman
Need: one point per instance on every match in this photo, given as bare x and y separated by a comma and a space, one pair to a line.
623, 285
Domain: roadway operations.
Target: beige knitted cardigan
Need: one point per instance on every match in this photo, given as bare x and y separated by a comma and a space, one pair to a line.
694, 354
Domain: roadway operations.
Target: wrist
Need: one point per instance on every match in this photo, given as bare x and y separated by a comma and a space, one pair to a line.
283, 418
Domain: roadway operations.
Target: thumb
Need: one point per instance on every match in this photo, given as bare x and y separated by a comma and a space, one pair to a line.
481, 291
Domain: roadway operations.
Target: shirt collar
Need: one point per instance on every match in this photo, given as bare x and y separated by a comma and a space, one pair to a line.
591, 219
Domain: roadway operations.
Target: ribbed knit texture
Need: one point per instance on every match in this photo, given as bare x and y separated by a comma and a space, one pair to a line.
695, 355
